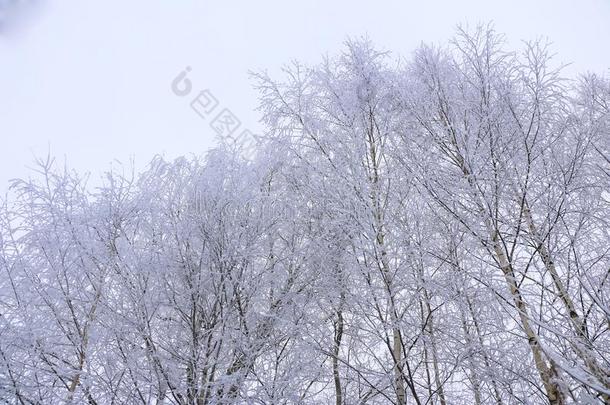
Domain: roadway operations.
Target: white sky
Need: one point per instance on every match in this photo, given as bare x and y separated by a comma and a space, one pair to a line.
91, 80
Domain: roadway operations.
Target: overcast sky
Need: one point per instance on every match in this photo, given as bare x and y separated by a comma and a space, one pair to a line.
91, 80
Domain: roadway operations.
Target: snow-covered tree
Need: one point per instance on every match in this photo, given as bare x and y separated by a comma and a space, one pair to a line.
432, 230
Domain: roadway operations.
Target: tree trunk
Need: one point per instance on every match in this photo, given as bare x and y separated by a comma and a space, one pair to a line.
583, 347
336, 348
548, 375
